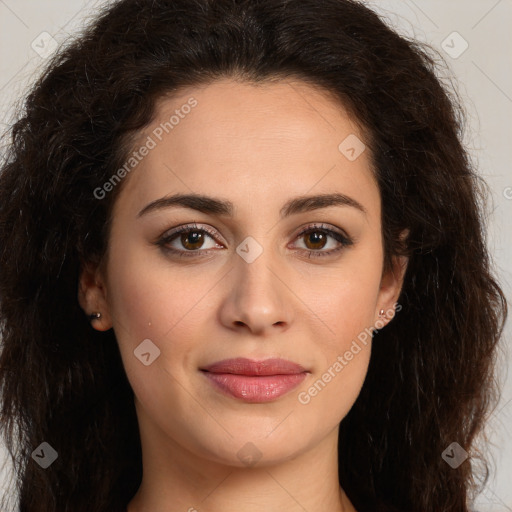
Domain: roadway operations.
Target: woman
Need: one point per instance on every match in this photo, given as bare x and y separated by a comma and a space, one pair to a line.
243, 268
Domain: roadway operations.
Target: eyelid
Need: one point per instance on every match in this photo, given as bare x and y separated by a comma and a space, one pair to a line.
334, 232
214, 233
193, 226
321, 227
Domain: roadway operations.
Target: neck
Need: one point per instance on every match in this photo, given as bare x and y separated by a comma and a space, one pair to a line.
176, 479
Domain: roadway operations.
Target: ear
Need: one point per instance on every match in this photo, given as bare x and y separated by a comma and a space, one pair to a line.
92, 296
390, 288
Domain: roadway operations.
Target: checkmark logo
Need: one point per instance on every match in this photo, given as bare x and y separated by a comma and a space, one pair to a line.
147, 352
45, 455
249, 249
454, 45
352, 147
44, 45
454, 455
249, 454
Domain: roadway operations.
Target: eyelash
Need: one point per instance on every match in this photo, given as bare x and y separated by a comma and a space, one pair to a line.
166, 239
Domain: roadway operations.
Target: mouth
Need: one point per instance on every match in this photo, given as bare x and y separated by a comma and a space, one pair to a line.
255, 381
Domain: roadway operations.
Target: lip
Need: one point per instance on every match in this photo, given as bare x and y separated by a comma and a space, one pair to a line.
255, 381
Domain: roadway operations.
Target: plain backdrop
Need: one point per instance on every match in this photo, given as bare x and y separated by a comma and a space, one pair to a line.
474, 37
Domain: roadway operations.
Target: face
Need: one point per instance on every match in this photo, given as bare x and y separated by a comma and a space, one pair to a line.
280, 257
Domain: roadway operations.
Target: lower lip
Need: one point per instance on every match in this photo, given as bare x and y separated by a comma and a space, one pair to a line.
255, 389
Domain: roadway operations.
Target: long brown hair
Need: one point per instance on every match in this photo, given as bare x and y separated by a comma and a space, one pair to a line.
430, 381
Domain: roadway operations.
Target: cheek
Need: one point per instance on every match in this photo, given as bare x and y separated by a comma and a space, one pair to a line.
347, 310
332, 392
151, 298
148, 302
147, 295
344, 354
348, 301
347, 313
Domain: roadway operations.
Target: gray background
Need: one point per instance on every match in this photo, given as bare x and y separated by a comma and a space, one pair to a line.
483, 79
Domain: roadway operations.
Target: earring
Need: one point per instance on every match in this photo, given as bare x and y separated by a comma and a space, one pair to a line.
381, 312
94, 316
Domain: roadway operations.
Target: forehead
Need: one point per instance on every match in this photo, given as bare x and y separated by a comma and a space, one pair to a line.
253, 142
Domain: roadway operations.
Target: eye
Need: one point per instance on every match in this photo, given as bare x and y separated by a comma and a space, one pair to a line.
317, 237
191, 240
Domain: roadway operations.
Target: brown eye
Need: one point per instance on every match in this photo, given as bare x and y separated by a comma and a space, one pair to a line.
189, 241
192, 239
315, 240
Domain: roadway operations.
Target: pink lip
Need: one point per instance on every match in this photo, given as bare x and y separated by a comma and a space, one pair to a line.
255, 381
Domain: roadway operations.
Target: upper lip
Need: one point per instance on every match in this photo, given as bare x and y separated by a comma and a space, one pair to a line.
244, 366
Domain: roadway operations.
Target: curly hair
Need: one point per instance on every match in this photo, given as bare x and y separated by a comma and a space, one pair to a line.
430, 380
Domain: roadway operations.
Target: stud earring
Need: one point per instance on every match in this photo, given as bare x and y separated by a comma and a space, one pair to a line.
381, 312
94, 316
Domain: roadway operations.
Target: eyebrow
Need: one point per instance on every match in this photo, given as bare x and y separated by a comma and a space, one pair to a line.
220, 207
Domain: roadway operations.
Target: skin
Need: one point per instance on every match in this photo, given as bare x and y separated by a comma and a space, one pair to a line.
257, 146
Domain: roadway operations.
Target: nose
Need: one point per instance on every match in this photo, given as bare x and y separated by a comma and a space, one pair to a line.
258, 298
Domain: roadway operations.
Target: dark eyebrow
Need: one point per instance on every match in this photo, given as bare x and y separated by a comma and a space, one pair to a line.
214, 206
